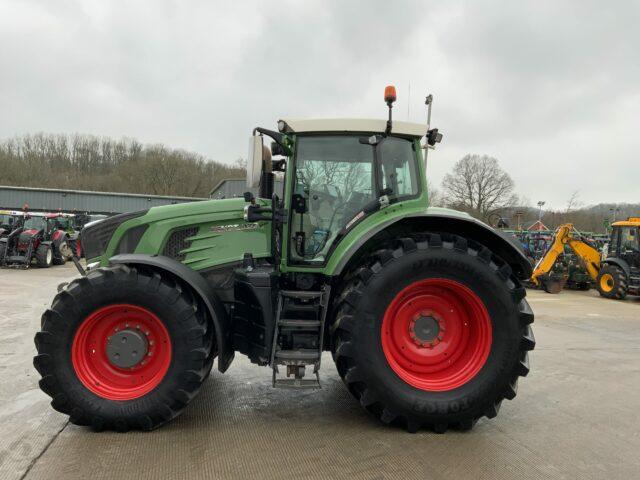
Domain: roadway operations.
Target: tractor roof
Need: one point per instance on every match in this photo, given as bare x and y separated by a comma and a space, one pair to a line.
630, 222
363, 125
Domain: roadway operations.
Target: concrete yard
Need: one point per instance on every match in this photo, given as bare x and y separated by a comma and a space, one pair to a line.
577, 415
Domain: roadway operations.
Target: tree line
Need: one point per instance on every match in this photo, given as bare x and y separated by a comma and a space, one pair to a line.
479, 186
87, 162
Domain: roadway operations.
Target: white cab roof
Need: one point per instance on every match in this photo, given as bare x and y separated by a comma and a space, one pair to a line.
294, 125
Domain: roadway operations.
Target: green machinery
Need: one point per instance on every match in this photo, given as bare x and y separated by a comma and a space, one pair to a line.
422, 308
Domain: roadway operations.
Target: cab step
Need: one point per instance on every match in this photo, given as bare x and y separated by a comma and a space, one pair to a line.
302, 356
287, 322
298, 337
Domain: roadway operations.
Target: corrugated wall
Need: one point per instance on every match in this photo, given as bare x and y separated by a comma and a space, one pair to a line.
42, 199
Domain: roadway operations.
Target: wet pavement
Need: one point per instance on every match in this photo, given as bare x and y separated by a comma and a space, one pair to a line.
575, 416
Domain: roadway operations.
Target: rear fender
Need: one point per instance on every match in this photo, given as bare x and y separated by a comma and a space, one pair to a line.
58, 236
498, 242
218, 314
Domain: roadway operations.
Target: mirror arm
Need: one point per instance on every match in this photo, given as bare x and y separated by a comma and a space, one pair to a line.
277, 136
254, 213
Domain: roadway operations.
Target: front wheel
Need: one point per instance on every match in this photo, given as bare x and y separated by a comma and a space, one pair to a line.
433, 333
612, 282
123, 349
44, 255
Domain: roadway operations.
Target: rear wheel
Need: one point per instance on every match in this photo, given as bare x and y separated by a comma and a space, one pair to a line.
612, 282
433, 333
123, 349
44, 256
62, 253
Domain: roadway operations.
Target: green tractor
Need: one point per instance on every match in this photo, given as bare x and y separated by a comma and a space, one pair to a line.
422, 308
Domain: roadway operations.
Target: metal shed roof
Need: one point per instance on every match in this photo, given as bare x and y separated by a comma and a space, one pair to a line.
51, 200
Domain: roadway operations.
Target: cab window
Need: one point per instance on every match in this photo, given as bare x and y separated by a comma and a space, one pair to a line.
399, 167
629, 239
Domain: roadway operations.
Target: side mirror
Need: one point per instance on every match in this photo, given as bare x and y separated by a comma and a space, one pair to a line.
254, 161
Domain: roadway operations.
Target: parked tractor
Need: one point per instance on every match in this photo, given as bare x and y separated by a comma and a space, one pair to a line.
8, 221
68, 223
34, 238
422, 309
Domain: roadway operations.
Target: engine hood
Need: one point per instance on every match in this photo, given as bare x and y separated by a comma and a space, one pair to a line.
27, 234
231, 205
200, 235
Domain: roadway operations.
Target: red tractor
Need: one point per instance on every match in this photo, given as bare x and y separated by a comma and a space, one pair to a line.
35, 237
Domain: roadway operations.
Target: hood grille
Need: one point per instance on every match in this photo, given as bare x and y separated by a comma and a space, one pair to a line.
178, 242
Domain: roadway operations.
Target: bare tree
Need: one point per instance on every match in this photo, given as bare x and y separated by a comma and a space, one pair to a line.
479, 186
574, 201
435, 196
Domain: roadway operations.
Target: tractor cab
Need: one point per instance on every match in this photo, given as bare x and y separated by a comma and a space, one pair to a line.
338, 174
625, 242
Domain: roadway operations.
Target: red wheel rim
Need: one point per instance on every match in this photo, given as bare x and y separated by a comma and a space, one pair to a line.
99, 374
436, 334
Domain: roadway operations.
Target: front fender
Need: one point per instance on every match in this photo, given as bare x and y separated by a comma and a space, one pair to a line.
440, 220
619, 262
219, 316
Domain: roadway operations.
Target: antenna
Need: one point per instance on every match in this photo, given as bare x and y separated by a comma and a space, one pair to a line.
409, 102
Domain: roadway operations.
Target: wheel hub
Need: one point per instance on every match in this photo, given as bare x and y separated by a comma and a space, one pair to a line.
436, 334
425, 330
127, 348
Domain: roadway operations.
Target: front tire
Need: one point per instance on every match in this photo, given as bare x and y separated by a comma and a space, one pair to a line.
99, 381
433, 333
44, 256
612, 282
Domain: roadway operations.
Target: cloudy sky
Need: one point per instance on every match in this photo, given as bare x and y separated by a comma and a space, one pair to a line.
551, 89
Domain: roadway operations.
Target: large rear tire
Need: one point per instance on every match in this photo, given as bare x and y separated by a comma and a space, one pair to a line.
612, 282
105, 384
433, 333
61, 253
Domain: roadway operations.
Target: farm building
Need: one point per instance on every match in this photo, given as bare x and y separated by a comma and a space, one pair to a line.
52, 200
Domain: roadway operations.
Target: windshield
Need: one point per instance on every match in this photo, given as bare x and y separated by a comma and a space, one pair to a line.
34, 223
335, 177
6, 220
629, 240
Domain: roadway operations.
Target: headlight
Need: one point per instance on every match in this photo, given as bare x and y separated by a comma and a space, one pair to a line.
95, 238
